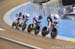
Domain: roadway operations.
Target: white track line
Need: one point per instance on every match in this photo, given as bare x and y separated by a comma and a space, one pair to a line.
1, 29
28, 45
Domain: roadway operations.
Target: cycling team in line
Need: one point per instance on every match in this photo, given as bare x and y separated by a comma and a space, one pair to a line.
21, 20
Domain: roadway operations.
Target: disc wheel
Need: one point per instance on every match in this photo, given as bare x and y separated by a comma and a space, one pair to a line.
37, 29
23, 27
13, 24
54, 33
30, 28
44, 31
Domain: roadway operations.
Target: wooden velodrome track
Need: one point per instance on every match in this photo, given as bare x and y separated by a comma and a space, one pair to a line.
42, 42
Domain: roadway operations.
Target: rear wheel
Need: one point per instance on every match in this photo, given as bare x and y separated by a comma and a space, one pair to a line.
44, 31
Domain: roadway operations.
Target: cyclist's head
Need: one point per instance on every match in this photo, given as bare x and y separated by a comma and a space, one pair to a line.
40, 17
34, 18
20, 13
49, 16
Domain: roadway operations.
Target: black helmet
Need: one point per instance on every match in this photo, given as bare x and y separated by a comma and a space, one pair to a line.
40, 17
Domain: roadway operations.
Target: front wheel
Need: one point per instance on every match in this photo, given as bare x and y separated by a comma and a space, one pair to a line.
54, 33
23, 27
13, 24
37, 29
30, 28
